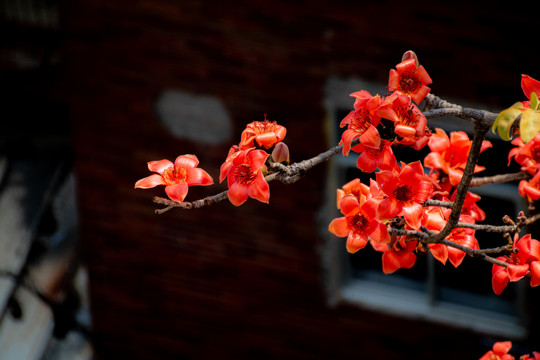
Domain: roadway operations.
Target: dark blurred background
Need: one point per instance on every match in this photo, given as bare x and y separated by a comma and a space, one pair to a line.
101, 87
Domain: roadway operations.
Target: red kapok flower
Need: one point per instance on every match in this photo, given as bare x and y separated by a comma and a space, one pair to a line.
372, 158
409, 121
534, 262
499, 352
536, 356
359, 224
518, 263
470, 206
450, 154
410, 80
399, 256
435, 220
527, 155
176, 177
406, 190
530, 189
355, 187
362, 122
529, 86
262, 133
234, 151
245, 178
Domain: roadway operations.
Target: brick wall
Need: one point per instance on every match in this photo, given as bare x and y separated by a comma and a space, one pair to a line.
245, 283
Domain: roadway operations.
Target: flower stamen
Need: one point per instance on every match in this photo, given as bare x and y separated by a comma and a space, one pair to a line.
404, 193
243, 174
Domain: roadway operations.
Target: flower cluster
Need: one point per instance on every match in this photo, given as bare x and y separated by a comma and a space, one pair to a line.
524, 259
395, 197
244, 166
406, 208
401, 206
528, 156
500, 352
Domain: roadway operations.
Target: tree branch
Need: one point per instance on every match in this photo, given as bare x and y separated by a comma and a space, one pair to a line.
498, 179
480, 130
286, 174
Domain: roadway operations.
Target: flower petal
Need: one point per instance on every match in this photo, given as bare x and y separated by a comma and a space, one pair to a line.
413, 215
150, 182
423, 75
388, 208
349, 205
392, 260
455, 176
439, 252
530, 85
407, 65
159, 166
238, 193
455, 256
197, 176
339, 227
356, 241
347, 137
379, 233
501, 348
366, 163
412, 174
266, 140
186, 161
393, 79
371, 137
517, 272
257, 158
177, 192
439, 141
259, 189
535, 273
499, 280
387, 180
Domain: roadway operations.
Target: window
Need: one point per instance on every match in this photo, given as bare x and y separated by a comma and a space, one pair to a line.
441, 293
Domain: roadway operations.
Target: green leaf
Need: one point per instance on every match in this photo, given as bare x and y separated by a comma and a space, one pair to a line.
503, 122
518, 105
530, 124
534, 101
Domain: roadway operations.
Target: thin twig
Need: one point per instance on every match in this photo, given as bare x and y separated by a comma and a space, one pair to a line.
475, 252
499, 179
431, 202
286, 174
488, 228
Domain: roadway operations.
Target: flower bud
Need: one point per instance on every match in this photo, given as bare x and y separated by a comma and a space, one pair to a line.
409, 54
281, 153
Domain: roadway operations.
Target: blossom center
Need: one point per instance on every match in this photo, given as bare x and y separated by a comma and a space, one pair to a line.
514, 259
361, 121
407, 115
358, 222
243, 174
375, 153
404, 193
535, 152
263, 127
173, 176
457, 235
409, 83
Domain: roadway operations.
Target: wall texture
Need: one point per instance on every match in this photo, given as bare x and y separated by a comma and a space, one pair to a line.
245, 283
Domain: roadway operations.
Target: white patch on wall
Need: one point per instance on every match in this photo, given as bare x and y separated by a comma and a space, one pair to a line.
198, 118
